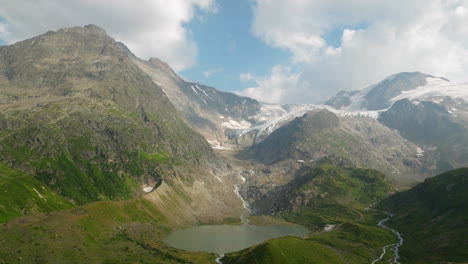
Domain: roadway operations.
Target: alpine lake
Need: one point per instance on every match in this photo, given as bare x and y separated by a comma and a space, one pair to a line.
221, 239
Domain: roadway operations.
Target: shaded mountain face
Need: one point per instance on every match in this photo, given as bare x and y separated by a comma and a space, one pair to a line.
82, 117
427, 123
432, 217
441, 133
362, 142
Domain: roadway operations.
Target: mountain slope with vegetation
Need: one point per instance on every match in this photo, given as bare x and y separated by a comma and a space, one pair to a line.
23, 194
331, 202
102, 232
432, 218
79, 115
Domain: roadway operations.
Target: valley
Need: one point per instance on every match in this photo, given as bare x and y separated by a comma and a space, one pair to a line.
108, 158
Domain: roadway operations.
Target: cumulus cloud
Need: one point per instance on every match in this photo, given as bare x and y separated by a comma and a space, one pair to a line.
274, 87
210, 72
150, 28
3, 30
378, 39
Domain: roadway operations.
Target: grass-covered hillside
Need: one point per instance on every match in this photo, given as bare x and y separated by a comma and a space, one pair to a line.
101, 232
22, 194
433, 219
324, 195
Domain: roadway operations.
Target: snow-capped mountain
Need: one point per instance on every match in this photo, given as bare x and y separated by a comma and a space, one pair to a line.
230, 121
415, 86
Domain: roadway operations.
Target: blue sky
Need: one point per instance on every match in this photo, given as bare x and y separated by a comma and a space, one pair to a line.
226, 47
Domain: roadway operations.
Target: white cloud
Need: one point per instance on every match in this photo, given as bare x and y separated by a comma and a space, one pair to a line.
210, 72
429, 36
150, 28
3, 31
273, 88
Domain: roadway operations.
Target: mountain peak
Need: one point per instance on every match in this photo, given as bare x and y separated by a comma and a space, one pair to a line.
381, 95
159, 64
86, 30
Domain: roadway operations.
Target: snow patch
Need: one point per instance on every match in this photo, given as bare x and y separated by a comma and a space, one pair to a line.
216, 145
233, 124
368, 114
148, 189
419, 152
38, 194
193, 89
434, 90
271, 115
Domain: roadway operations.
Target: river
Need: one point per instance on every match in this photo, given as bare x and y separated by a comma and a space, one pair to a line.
395, 247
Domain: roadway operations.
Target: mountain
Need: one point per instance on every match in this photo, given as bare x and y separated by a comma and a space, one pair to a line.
209, 111
361, 142
128, 231
425, 123
226, 120
432, 218
330, 201
426, 116
381, 95
79, 115
103, 154
321, 192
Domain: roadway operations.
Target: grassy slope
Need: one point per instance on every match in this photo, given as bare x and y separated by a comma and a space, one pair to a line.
344, 193
101, 232
22, 194
432, 218
332, 195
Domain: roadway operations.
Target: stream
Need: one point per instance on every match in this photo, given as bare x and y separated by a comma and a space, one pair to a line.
244, 216
395, 247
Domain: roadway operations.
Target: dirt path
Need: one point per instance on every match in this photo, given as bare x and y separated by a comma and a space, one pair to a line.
361, 216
